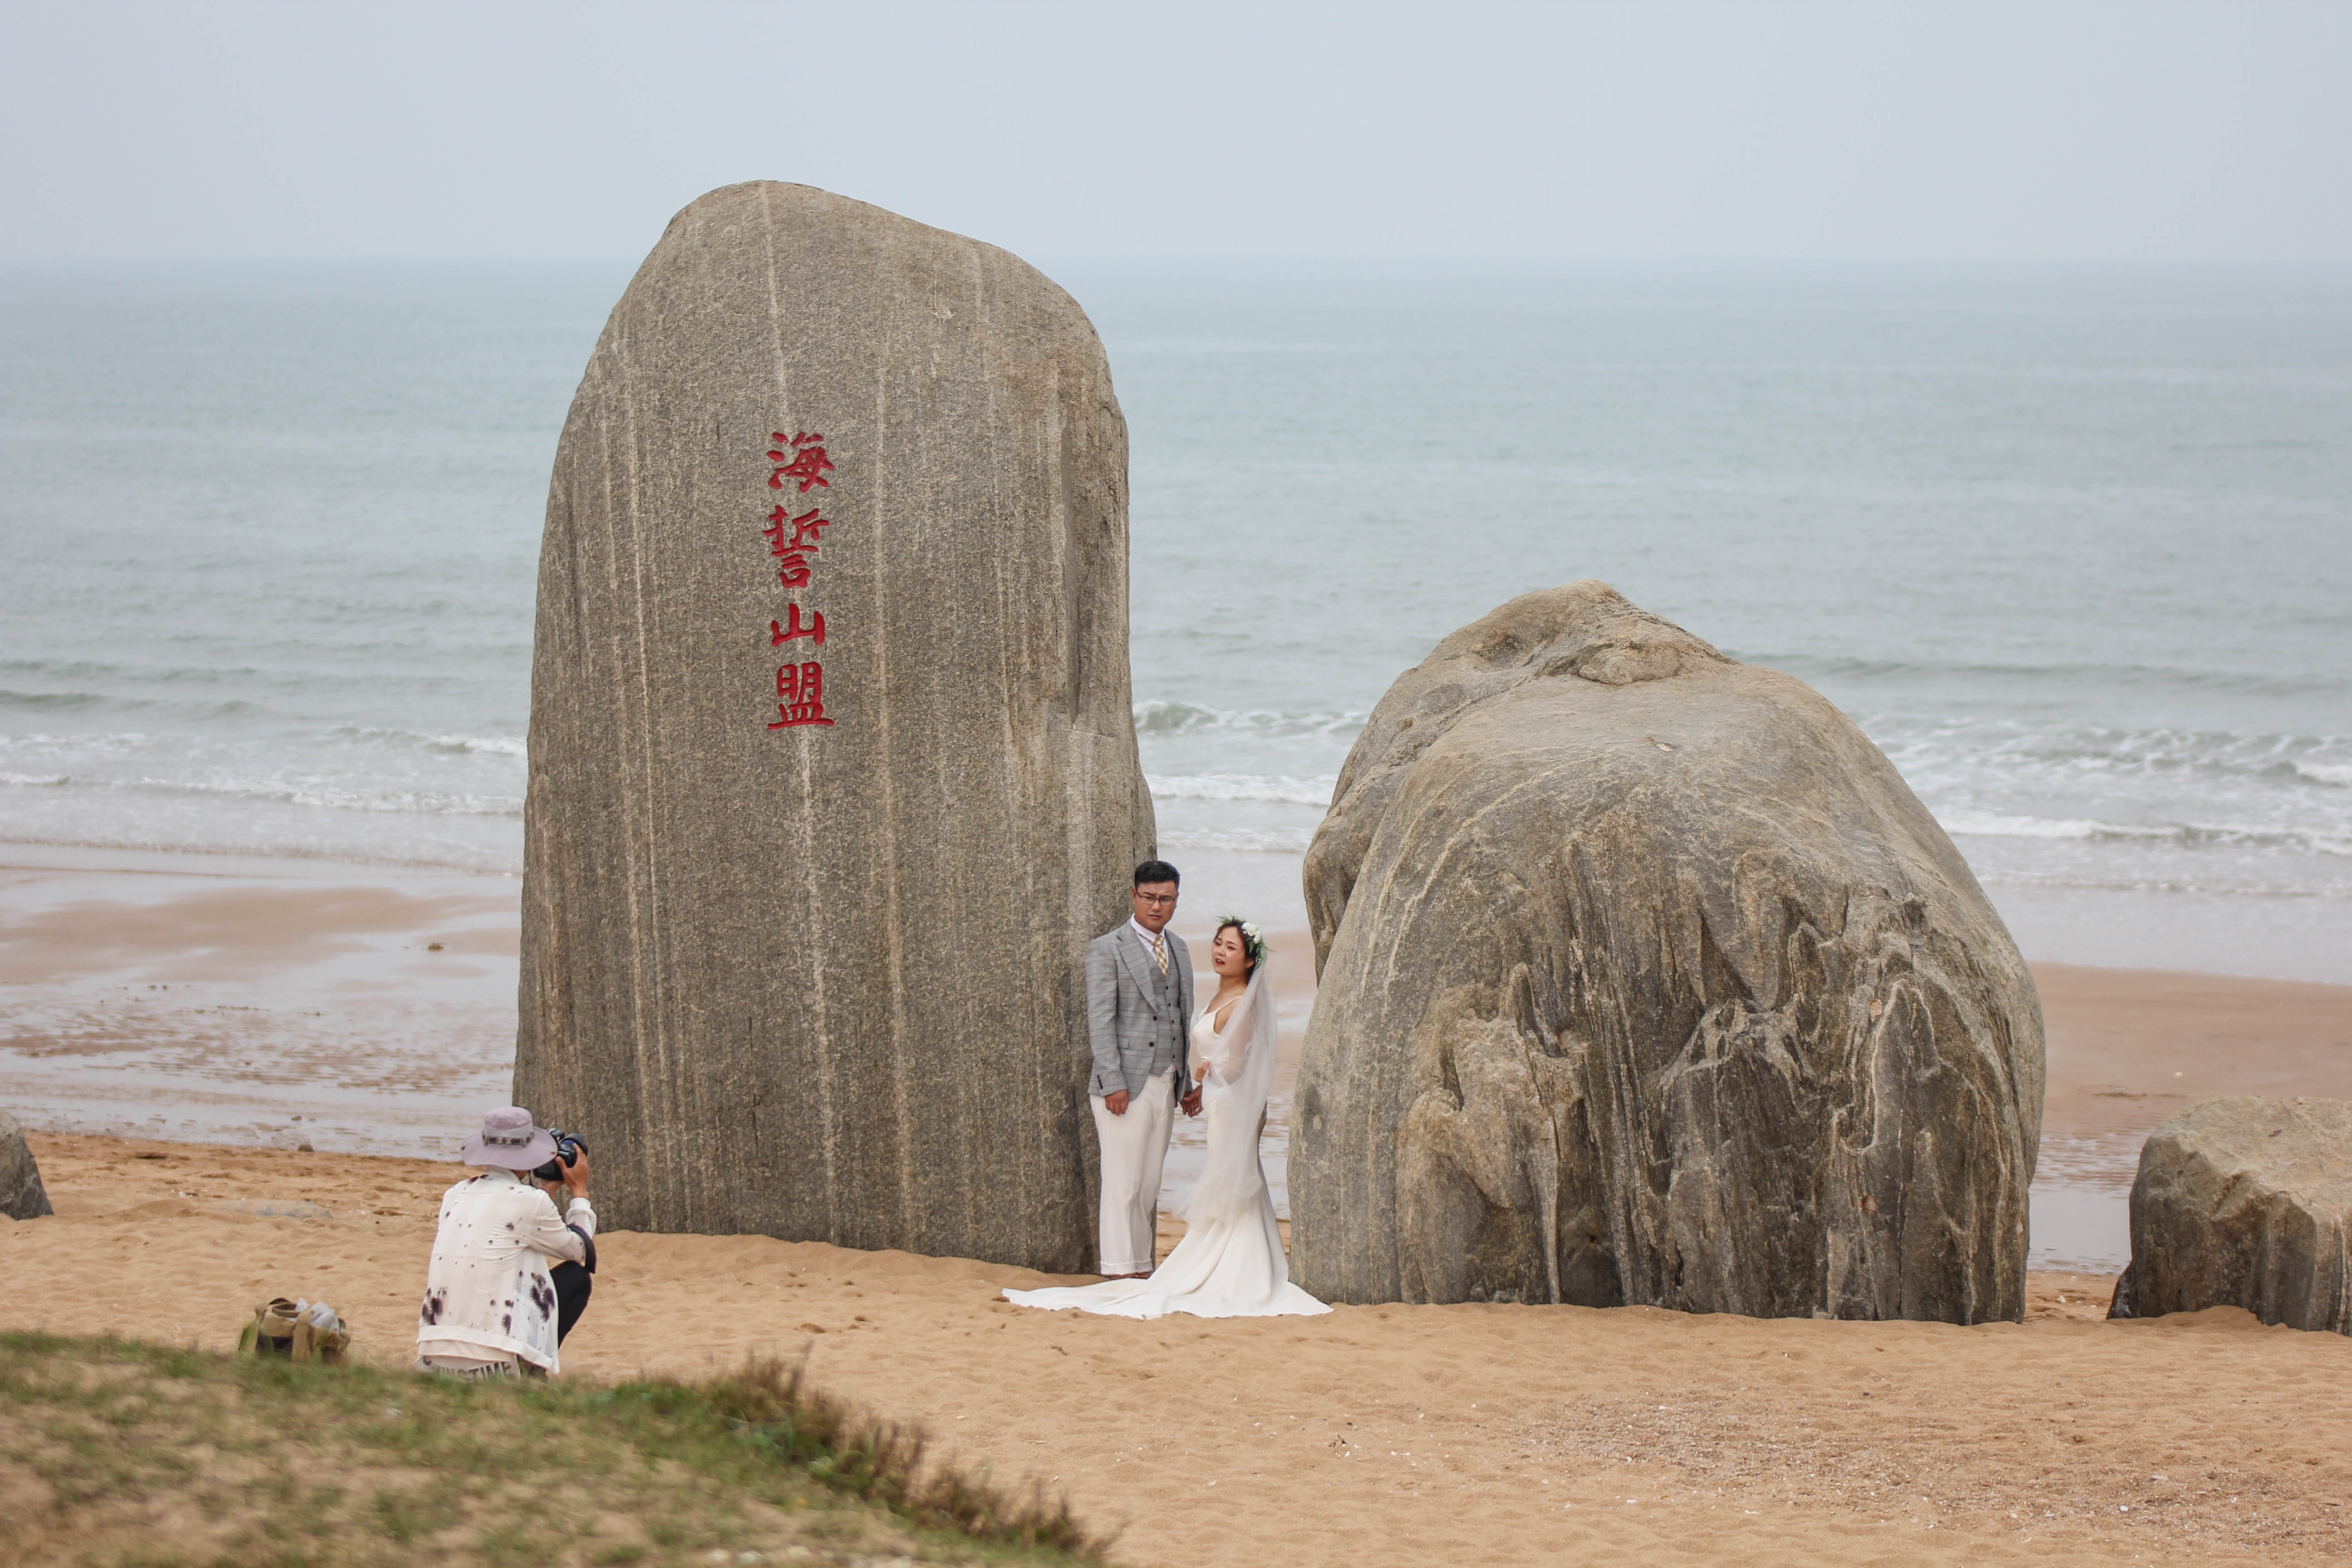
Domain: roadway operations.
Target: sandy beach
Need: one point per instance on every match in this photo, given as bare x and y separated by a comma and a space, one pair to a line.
1841, 505
1388, 1434
245, 1009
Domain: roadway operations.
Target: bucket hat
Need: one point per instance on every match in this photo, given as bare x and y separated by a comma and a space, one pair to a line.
509, 1141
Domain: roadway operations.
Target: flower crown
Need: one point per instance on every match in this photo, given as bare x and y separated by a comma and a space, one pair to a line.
1253, 941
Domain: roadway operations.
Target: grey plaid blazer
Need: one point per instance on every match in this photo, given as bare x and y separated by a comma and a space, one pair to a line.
1122, 1006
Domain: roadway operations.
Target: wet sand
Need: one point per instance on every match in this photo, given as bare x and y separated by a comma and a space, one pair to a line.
2130, 1047
234, 1000
1377, 1435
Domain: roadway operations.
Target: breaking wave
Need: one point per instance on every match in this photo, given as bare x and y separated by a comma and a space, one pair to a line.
1158, 718
1314, 791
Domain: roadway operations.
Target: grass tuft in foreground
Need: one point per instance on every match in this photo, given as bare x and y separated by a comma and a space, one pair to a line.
114, 1452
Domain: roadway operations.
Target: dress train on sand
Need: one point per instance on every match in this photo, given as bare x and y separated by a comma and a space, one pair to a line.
1230, 1262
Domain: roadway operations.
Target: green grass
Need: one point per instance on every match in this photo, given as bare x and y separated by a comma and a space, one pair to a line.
122, 1455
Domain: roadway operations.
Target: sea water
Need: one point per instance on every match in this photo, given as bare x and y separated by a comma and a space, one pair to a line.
2073, 545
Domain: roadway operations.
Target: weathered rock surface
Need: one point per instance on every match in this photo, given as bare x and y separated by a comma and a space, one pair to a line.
820, 981
2245, 1202
22, 1196
1645, 978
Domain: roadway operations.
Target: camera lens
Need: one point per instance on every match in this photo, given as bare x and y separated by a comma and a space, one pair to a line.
567, 1154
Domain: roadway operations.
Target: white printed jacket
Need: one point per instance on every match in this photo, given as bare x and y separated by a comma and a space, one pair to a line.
487, 1293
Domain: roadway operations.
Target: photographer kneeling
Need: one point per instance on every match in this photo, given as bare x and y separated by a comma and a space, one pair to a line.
493, 1308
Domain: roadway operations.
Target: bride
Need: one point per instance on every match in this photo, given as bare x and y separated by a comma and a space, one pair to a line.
1230, 1262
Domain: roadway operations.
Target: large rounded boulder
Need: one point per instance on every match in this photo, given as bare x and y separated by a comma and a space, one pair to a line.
1645, 978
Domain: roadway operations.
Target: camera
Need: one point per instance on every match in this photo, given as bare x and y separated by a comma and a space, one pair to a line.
567, 1153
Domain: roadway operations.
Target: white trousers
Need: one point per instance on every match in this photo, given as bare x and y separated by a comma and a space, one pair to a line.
1134, 1148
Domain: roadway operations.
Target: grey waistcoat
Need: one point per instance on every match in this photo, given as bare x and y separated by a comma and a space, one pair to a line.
1168, 1028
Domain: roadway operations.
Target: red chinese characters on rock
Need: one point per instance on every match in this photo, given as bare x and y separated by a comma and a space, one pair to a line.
802, 456
800, 696
784, 631
795, 541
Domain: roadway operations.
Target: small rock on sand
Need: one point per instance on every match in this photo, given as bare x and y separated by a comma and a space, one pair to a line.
2245, 1202
22, 1196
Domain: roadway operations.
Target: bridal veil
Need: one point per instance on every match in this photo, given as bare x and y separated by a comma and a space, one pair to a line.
1241, 1069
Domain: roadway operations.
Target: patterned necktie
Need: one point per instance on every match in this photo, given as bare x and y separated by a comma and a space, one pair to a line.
1160, 952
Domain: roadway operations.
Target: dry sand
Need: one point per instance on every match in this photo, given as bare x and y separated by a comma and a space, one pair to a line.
1375, 1434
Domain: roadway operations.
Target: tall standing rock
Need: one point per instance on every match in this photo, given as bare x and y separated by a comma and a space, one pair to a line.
833, 765
1645, 979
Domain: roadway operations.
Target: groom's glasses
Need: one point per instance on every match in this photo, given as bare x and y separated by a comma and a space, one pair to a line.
1155, 899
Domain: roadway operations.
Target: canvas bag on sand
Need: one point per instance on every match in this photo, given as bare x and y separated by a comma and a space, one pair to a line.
298, 1330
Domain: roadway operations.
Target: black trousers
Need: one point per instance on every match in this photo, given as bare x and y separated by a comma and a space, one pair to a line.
573, 1287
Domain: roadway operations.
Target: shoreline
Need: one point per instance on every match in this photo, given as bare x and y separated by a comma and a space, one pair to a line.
370, 1009
239, 999
2054, 923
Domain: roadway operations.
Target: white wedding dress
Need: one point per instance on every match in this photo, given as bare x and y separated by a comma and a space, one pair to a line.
1230, 1262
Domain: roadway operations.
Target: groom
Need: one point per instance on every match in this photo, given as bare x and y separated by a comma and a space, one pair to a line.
1139, 1014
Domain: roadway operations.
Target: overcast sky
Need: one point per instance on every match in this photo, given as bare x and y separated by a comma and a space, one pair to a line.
500, 128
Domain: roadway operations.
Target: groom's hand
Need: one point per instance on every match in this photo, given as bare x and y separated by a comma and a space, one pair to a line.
1191, 1104
1116, 1102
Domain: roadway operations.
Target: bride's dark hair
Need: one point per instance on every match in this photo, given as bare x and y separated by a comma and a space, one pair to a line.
1253, 944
